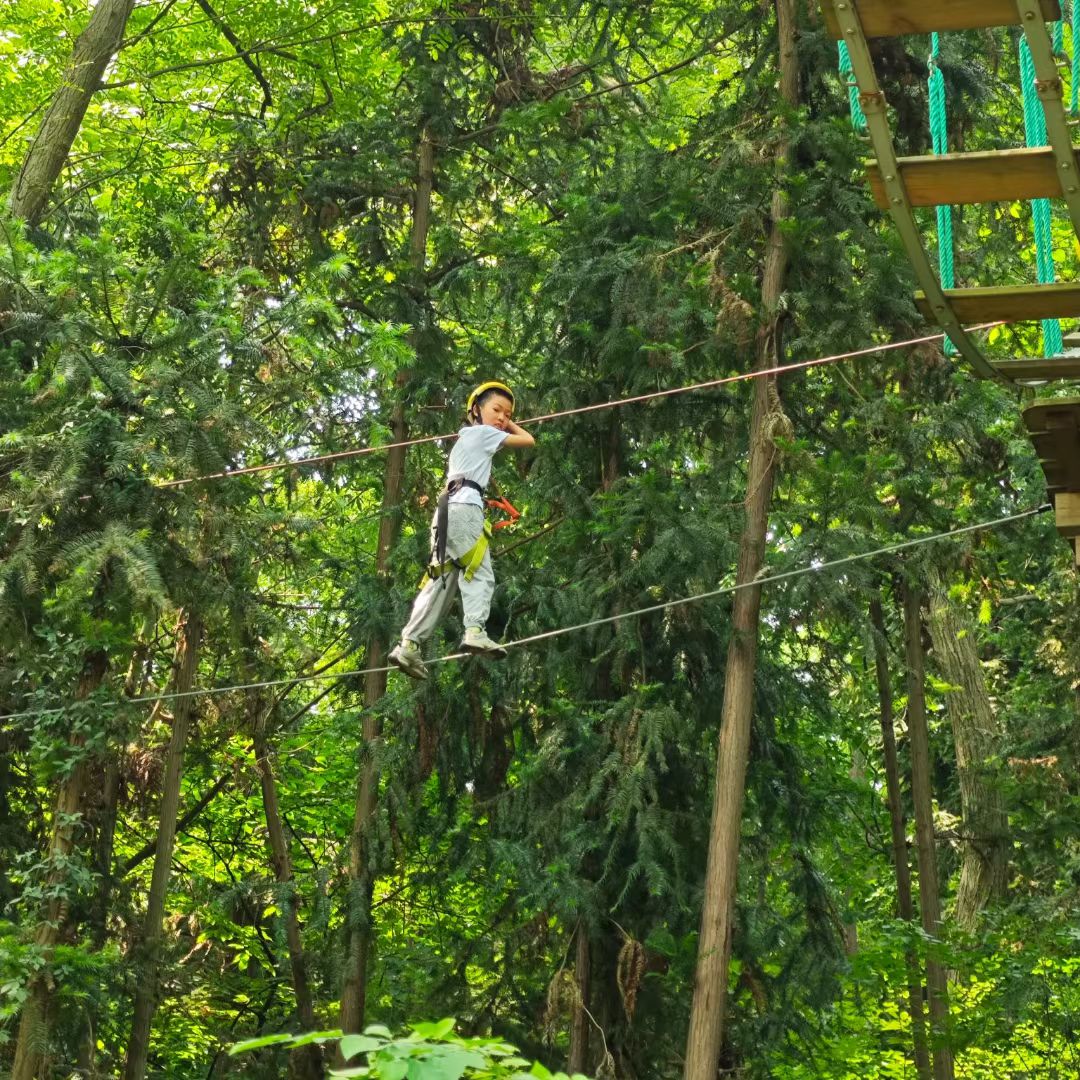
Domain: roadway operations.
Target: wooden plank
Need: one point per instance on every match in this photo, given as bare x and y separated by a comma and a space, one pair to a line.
1067, 513
984, 177
1052, 412
1040, 368
892, 18
1017, 303
1062, 474
1054, 428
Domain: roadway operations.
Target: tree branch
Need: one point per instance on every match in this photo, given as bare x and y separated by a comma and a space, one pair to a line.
185, 820
244, 55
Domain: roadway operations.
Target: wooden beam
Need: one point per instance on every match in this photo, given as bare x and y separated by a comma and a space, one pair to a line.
1039, 368
984, 177
1038, 414
1054, 428
1015, 303
893, 18
1067, 513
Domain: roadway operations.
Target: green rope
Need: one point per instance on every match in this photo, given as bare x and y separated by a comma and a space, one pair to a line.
939, 135
847, 73
1059, 38
1074, 88
1035, 130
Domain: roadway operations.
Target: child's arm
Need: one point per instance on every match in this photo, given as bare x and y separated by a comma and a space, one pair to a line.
518, 438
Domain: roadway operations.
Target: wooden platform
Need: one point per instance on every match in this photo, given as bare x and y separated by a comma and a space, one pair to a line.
891, 18
1054, 428
1040, 368
1018, 303
984, 177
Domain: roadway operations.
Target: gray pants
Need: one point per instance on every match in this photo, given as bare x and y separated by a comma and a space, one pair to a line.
464, 525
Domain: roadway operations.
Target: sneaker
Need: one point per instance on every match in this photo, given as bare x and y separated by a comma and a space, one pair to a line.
407, 657
477, 641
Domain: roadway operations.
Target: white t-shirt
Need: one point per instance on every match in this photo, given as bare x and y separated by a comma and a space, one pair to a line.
471, 457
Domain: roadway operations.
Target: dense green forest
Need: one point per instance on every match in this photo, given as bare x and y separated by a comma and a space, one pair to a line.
827, 826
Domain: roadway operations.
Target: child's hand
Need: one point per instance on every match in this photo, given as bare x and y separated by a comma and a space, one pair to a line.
518, 438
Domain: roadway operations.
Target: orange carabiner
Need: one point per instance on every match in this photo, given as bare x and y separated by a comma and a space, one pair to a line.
502, 503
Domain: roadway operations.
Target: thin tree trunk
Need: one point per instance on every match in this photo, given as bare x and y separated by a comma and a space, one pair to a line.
306, 1061
7, 745
104, 813
105, 833
976, 738
899, 836
923, 797
36, 1019
579, 1025
361, 874
850, 925
707, 1014
49, 150
185, 665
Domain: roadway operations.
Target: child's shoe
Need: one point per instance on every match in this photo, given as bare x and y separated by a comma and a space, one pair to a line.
477, 641
407, 657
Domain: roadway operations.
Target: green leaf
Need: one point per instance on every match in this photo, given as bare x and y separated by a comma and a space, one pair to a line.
436, 1030
351, 1045
393, 1069
449, 1063
256, 1044
316, 1037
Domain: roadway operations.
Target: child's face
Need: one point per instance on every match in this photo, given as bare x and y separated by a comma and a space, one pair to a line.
497, 411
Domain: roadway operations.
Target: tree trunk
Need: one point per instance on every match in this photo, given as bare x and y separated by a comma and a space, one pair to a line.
361, 876
306, 1061
185, 665
923, 797
578, 1061
707, 1013
33, 1038
899, 836
106, 811
705, 1037
49, 150
976, 738
8, 822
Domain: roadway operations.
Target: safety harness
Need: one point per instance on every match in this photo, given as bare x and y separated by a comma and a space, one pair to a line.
470, 562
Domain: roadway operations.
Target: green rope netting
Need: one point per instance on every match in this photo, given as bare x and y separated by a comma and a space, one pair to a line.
1074, 88
939, 134
1035, 131
858, 117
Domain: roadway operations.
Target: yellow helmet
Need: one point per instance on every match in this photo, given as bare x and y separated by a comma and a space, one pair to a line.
482, 389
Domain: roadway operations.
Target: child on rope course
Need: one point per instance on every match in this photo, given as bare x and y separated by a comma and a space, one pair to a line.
459, 532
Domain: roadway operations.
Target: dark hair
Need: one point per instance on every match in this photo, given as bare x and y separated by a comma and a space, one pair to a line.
485, 396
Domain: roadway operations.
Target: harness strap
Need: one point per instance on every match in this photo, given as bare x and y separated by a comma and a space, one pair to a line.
442, 513
468, 564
